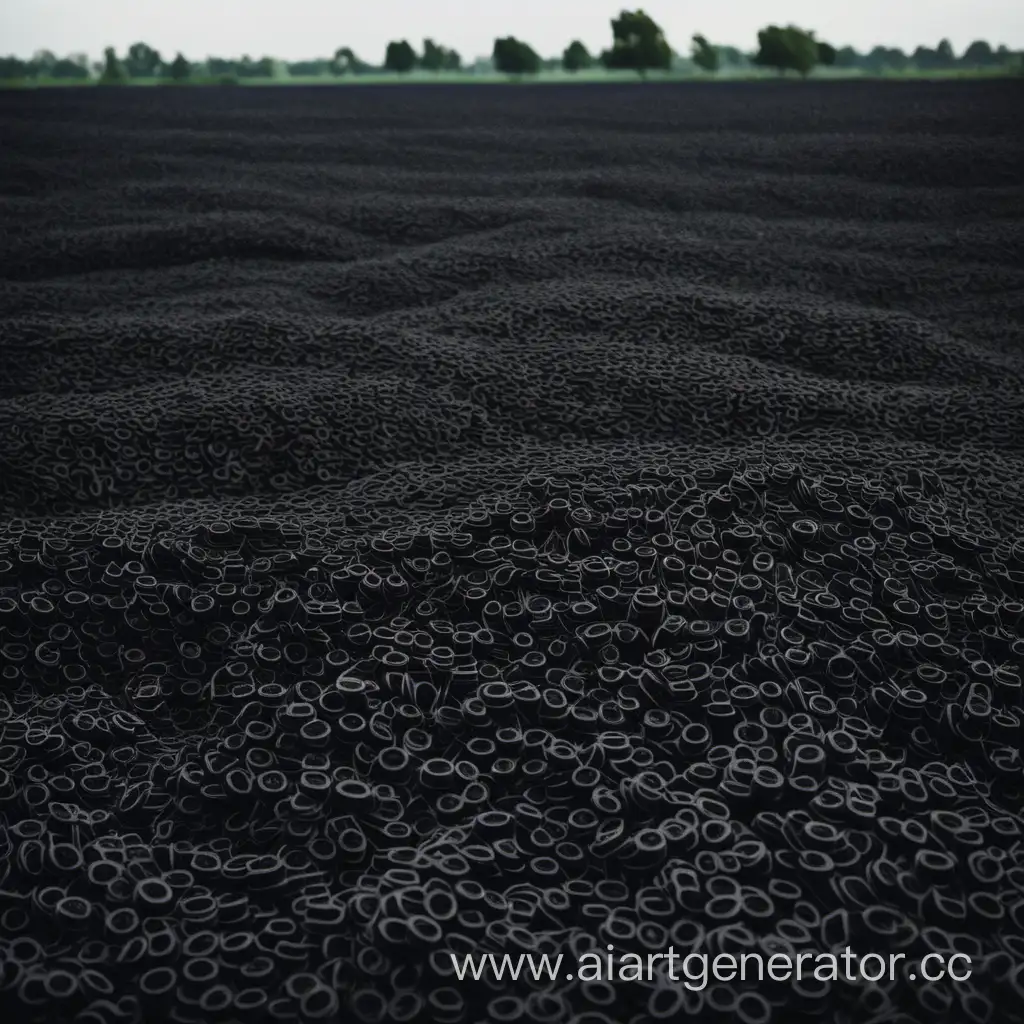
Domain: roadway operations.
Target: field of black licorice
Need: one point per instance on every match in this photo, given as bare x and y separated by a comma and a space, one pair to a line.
470, 520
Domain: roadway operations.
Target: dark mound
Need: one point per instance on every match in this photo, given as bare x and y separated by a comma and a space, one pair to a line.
464, 521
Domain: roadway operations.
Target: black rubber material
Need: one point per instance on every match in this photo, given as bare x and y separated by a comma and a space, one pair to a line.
502, 526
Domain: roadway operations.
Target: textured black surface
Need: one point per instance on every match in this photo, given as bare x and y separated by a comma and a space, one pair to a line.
495, 519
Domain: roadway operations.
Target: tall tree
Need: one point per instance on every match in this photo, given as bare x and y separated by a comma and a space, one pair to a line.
439, 58
43, 62
944, 54
827, 55
400, 57
786, 49
13, 68
897, 59
433, 56
703, 54
180, 69
925, 59
978, 55
576, 57
511, 56
113, 70
848, 57
142, 61
771, 49
638, 43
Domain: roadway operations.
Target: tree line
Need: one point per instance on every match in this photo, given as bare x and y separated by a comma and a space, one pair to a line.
638, 44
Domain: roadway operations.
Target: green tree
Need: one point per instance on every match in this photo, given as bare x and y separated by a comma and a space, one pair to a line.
439, 58
69, 70
771, 49
400, 57
42, 63
576, 57
827, 55
804, 50
703, 54
433, 56
345, 62
896, 59
638, 44
944, 55
219, 67
978, 55
246, 67
786, 49
142, 61
179, 69
309, 68
511, 56
730, 55
13, 68
848, 57
925, 59
113, 70
262, 68
884, 58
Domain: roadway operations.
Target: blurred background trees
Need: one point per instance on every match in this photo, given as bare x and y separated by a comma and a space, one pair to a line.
637, 44
345, 62
439, 58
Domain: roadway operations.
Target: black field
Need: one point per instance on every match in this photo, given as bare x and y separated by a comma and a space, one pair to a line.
467, 520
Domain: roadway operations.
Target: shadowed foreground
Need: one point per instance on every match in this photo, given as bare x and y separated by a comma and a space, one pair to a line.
504, 520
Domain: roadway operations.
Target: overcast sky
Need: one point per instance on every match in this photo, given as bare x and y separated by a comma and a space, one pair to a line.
294, 29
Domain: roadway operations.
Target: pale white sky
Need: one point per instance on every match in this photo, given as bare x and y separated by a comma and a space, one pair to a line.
296, 29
